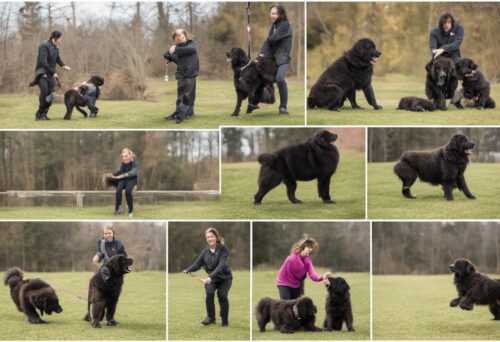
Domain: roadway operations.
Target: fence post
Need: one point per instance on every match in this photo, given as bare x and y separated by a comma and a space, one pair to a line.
79, 199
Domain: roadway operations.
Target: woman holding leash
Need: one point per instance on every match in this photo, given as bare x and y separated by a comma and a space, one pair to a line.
127, 179
108, 247
295, 268
214, 260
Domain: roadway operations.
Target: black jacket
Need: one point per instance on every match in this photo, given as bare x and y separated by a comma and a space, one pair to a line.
186, 58
131, 169
111, 248
279, 42
215, 264
450, 43
48, 56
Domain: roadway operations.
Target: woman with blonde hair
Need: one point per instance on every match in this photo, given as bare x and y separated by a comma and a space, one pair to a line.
127, 179
107, 247
214, 260
295, 268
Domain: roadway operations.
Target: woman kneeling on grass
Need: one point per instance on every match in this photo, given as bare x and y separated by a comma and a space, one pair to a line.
295, 268
214, 260
127, 179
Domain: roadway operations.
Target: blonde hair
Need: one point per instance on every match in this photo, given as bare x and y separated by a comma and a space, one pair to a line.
216, 233
129, 151
303, 243
181, 31
109, 227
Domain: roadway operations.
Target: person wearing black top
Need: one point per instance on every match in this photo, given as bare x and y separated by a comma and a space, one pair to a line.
127, 179
279, 44
185, 54
214, 260
45, 73
108, 247
445, 39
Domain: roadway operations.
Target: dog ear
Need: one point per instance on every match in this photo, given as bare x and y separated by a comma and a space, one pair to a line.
302, 308
469, 269
428, 66
451, 68
473, 66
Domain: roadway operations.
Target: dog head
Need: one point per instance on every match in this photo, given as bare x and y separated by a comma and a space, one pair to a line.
306, 308
325, 138
441, 69
462, 268
364, 53
237, 57
119, 264
47, 302
338, 286
97, 80
464, 67
461, 145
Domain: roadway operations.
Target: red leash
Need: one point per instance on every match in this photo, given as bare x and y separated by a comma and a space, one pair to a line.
83, 297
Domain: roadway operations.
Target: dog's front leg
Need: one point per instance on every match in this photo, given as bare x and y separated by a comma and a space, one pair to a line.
349, 320
454, 302
351, 95
463, 186
239, 98
370, 97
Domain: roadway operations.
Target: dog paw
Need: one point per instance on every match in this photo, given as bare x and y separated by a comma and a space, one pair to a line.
467, 307
454, 302
377, 107
471, 197
352, 329
235, 114
329, 201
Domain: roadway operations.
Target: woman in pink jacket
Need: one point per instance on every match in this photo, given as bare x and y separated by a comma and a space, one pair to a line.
295, 268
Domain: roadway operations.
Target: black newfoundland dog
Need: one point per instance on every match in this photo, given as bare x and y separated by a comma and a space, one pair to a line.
288, 316
31, 294
338, 305
351, 72
441, 81
474, 288
252, 78
443, 166
76, 97
104, 294
416, 104
315, 158
475, 85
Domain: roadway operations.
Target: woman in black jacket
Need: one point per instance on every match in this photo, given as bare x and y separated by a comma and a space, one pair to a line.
214, 260
127, 179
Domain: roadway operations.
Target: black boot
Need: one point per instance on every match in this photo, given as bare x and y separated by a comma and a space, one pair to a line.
38, 114
44, 114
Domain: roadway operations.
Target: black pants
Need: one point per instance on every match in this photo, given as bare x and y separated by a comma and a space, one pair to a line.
287, 292
47, 86
128, 185
222, 288
91, 104
186, 95
281, 83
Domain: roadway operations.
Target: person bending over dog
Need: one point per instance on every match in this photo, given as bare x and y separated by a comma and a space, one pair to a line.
214, 260
45, 73
297, 265
126, 178
107, 247
185, 54
279, 44
445, 39
93, 93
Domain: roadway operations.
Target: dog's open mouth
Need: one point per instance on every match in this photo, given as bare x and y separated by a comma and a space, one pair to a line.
373, 61
468, 152
229, 60
127, 269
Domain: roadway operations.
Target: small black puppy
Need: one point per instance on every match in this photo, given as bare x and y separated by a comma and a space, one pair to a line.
338, 305
416, 104
79, 95
475, 84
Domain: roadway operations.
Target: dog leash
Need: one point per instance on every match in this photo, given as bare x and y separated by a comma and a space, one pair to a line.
83, 297
249, 11
195, 276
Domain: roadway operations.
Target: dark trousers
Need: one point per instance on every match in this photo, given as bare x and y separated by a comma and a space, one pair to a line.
287, 292
128, 185
47, 86
222, 288
91, 104
281, 83
186, 95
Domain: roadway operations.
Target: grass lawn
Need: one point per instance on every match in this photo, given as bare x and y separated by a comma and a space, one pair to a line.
385, 200
186, 309
417, 307
215, 102
264, 285
140, 311
388, 92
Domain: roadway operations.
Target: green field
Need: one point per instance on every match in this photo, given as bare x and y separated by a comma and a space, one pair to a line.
264, 285
388, 92
385, 200
417, 307
186, 309
140, 310
215, 101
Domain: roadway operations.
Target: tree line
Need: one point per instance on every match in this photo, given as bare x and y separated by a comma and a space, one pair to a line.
430, 247
70, 246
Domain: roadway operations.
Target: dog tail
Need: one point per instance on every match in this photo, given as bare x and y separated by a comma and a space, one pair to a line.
267, 159
13, 276
311, 102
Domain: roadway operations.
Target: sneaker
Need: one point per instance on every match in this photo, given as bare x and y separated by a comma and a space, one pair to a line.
131, 214
283, 110
207, 320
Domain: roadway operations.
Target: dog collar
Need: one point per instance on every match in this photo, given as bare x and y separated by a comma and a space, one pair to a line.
243, 68
296, 312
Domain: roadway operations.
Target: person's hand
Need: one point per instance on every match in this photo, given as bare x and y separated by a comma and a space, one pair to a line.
326, 281
326, 275
172, 49
55, 75
437, 52
261, 55
207, 280
66, 68
166, 62
185, 271
95, 260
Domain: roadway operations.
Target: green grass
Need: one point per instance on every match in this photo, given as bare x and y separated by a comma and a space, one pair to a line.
140, 311
388, 92
186, 309
239, 184
215, 102
264, 285
385, 200
408, 307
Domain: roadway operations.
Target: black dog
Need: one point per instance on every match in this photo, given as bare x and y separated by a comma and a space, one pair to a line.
441, 81
77, 96
31, 294
315, 158
416, 104
474, 288
475, 84
351, 72
443, 166
104, 293
338, 305
288, 316
252, 79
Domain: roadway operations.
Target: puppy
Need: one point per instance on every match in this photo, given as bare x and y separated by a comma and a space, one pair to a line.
416, 104
338, 305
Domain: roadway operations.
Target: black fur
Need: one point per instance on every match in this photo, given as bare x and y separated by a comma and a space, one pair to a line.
441, 81
474, 86
77, 97
338, 305
416, 104
443, 166
351, 72
315, 158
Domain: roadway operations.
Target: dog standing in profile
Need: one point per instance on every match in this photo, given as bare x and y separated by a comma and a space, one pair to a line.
82, 95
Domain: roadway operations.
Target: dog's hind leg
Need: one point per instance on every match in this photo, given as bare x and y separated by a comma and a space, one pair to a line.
291, 186
495, 309
110, 312
69, 111
268, 180
408, 176
97, 313
82, 111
